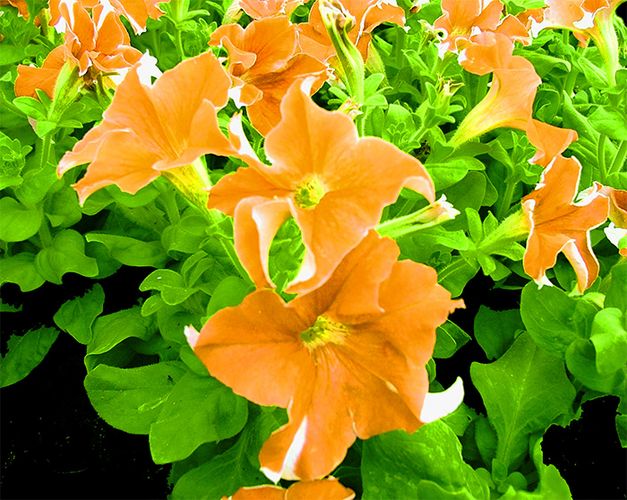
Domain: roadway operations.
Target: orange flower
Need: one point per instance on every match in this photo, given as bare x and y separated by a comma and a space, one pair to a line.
332, 182
136, 11
549, 141
347, 360
368, 15
151, 129
327, 489
258, 9
20, 5
463, 18
509, 102
95, 44
559, 225
264, 60
616, 232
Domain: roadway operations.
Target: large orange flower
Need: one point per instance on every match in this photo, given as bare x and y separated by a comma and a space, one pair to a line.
462, 18
332, 182
265, 60
327, 489
150, 129
509, 102
347, 360
368, 15
97, 43
559, 225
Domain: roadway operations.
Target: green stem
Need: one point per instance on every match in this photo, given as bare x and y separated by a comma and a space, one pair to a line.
45, 237
46, 148
619, 159
506, 201
168, 199
601, 158
178, 42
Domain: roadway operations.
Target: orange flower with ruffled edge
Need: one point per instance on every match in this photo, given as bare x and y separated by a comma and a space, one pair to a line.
347, 360
462, 18
559, 225
550, 141
333, 183
509, 102
326, 489
153, 129
136, 11
97, 43
368, 14
264, 61
259, 9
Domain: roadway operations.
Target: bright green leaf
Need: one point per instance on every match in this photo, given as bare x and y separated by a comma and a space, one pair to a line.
76, 316
65, 255
495, 330
25, 353
17, 223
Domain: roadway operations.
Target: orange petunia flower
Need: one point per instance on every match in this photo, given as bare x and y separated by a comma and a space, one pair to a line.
559, 225
368, 14
327, 489
94, 44
20, 5
550, 141
259, 9
347, 360
264, 60
136, 11
333, 183
150, 129
509, 102
463, 18
616, 232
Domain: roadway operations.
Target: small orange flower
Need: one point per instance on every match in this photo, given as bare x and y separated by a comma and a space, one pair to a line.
332, 182
150, 129
550, 141
463, 18
259, 9
327, 489
347, 360
509, 102
264, 60
559, 225
368, 15
94, 44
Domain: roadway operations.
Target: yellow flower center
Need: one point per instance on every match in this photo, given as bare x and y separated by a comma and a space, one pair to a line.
309, 193
324, 331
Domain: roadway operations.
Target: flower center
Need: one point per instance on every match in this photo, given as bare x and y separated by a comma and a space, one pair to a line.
324, 331
309, 193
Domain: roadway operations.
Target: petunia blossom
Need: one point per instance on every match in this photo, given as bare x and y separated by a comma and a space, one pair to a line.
616, 232
325, 489
264, 60
152, 129
96, 43
559, 225
509, 102
333, 183
550, 141
368, 14
461, 19
347, 360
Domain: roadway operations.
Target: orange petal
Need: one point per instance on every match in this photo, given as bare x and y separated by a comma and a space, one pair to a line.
44, 78
549, 141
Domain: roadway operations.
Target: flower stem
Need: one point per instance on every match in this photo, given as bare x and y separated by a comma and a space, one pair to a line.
619, 159
601, 157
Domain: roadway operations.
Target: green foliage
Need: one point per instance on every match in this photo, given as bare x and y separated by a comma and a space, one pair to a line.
77, 316
25, 353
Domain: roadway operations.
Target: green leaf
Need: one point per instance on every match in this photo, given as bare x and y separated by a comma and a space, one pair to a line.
425, 464
130, 399
449, 339
548, 316
35, 185
130, 251
112, 329
20, 269
457, 274
65, 255
185, 236
609, 338
524, 392
198, 410
609, 121
230, 292
495, 330
25, 353
452, 170
581, 360
18, 223
236, 467
76, 316
62, 208
170, 284
12, 161
31, 107
616, 295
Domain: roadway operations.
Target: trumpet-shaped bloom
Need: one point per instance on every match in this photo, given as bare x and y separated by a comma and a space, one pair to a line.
368, 15
327, 489
559, 225
463, 18
149, 129
264, 60
347, 360
509, 102
97, 43
259, 9
333, 183
549, 141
